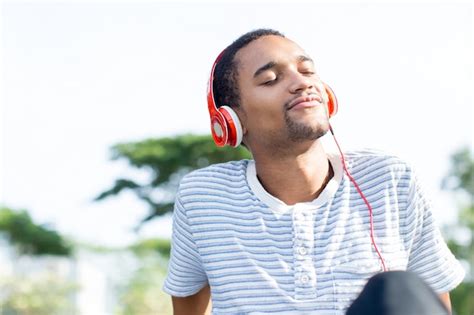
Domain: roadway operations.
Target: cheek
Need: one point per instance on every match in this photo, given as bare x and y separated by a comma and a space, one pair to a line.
263, 108
265, 114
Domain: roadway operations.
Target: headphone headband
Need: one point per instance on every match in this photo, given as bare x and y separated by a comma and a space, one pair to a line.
210, 87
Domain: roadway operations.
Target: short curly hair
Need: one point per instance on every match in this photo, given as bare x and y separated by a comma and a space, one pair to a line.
226, 90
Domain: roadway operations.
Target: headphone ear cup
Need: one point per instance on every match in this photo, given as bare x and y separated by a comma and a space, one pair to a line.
219, 129
332, 101
234, 127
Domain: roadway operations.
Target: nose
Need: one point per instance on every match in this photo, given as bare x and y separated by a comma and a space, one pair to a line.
300, 83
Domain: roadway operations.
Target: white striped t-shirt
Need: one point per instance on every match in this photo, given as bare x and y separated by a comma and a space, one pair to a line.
261, 256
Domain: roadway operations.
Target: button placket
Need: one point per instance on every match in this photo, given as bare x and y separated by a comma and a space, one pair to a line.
305, 273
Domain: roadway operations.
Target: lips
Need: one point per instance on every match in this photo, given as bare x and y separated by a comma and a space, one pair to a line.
304, 101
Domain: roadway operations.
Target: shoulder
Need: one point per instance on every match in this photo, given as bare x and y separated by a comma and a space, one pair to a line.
372, 159
378, 166
227, 170
216, 177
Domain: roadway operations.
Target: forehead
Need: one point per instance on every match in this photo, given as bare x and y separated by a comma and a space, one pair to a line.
266, 49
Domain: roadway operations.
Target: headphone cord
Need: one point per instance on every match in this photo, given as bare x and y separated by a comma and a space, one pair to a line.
372, 238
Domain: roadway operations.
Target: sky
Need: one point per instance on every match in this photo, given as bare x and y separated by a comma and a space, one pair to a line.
79, 77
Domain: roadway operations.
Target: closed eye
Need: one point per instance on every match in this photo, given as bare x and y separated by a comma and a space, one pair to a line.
271, 82
308, 72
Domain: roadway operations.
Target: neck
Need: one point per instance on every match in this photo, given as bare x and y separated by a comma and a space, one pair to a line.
295, 177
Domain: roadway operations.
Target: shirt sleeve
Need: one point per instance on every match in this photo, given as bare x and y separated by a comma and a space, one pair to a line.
429, 255
186, 275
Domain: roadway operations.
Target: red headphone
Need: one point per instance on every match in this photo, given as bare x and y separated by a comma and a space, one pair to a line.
225, 124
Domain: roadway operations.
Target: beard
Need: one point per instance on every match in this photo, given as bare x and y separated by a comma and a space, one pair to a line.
299, 132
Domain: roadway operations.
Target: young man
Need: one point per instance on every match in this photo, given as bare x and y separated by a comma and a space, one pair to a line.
296, 230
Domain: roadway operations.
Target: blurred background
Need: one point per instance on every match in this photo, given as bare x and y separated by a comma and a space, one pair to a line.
103, 110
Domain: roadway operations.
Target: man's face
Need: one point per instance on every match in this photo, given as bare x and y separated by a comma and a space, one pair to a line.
282, 98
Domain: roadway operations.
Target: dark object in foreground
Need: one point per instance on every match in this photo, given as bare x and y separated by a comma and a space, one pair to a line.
397, 293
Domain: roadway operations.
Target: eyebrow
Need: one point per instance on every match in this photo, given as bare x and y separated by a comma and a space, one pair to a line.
272, 64
263, 68
303, 58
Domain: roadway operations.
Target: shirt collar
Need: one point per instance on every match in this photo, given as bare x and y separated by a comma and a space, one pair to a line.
278, 207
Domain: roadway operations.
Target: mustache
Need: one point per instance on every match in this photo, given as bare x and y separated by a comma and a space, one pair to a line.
303, 98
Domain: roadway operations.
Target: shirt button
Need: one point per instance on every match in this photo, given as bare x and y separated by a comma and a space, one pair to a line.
299, 217
302, 251
304, 278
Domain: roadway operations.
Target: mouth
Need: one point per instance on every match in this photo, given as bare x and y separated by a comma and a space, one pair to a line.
305, 101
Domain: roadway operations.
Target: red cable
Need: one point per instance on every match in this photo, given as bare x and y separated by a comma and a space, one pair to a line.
363, 198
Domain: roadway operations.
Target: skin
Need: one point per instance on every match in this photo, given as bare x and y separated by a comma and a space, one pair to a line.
197, 304
289, 158
291, 170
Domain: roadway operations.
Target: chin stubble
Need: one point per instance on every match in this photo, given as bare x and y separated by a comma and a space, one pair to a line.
298, 132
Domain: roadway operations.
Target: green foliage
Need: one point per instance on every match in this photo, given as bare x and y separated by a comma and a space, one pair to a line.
461, 179
143, 294
461, 175
44, 294
156, 245
30, 238
462, 299
166, 160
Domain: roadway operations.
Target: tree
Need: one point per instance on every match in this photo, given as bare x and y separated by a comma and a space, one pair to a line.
42, 294
461, 180
38, 293
142, 293
167, 160
153, 245
29, 237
